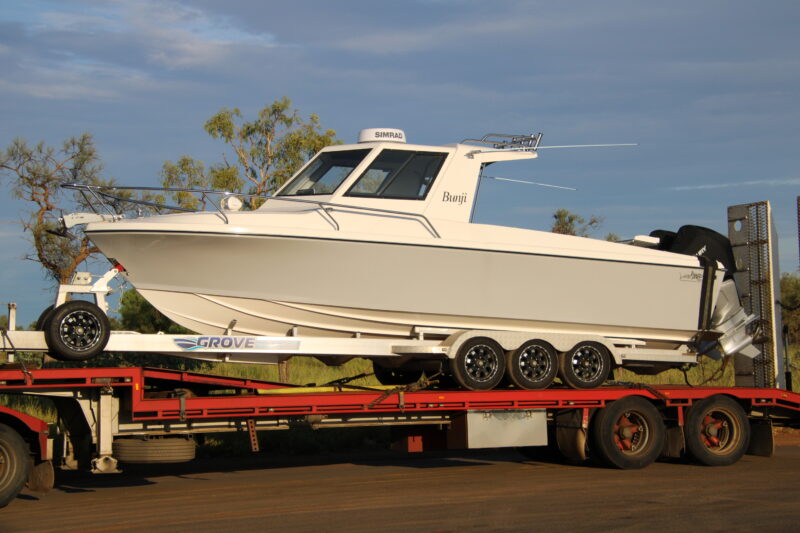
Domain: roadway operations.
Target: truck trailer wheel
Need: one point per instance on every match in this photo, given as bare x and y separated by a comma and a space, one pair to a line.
717, 431
76, 331
585, 366
628, 433
15, 464
149, 451
479, 364
533, 365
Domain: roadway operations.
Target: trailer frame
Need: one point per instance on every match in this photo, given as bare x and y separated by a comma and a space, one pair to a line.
107, 404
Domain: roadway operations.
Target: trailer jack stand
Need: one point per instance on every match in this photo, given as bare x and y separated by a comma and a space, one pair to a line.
105, 465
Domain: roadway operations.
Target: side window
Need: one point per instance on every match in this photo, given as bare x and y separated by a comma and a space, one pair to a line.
325, 173
399, 174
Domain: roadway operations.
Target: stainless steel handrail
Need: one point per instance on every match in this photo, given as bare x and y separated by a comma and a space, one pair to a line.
103, 191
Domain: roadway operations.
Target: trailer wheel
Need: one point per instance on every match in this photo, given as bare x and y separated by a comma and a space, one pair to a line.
41, 322
717, 431
395, 376
585, 366
15, 464
628, 433
479, 364
149, 451
76, 331
533, 365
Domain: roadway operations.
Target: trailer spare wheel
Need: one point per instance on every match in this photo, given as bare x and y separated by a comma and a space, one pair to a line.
76, 331
155, 450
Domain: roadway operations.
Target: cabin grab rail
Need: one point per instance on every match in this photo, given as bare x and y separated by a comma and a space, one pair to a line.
325, 206
101, 193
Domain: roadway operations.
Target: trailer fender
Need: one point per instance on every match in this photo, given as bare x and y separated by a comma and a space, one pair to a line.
33, 430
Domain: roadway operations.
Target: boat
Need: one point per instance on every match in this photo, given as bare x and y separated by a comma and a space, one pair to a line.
376, 239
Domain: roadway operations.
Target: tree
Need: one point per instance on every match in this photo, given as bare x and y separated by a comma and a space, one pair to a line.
568, 223
790, 304
268, 150
136, 314
37, 174
190, 173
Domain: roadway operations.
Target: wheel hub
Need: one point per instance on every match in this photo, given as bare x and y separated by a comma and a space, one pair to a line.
80, 330
713, 431
630, 432
481, 363
587, 363
534, 363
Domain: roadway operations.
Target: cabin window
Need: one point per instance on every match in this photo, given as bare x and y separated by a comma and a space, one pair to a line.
325, 173
399, 174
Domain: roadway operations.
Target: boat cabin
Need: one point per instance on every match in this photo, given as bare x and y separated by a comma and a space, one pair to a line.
383, 172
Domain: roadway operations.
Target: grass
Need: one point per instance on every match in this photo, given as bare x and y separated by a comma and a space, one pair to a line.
302, 371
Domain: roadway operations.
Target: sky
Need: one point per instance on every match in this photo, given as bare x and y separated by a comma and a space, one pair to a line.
709, 91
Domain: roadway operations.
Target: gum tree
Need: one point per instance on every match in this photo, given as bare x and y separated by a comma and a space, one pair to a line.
36, 174
263, 152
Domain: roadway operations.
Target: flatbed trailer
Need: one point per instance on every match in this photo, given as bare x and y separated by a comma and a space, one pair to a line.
108, 417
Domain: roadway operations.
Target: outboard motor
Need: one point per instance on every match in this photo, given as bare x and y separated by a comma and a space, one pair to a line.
699, 241
729, 318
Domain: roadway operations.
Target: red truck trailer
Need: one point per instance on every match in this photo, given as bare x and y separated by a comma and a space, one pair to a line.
109, 417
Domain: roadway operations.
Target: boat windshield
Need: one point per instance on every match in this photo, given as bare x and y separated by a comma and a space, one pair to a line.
325, 173
400, 174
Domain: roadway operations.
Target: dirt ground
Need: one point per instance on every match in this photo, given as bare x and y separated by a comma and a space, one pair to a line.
492, 490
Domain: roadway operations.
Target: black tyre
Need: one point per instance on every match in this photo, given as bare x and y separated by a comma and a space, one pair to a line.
585, 366
395, 376
717, 431
76, 331
479, 364
628, 433
151, 451
15, 464
41, 322
533, 365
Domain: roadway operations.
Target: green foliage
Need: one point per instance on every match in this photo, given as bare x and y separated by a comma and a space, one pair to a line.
36, 174
268, 150
189, 173
790, 298
568, 223
272, 147
136, 314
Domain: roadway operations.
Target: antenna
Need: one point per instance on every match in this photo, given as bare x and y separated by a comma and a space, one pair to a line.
587, 145
531, 183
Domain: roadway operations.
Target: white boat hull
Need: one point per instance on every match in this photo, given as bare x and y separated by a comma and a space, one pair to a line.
270, 284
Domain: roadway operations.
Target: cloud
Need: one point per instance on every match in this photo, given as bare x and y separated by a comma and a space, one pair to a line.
177, 36
756, 183
114, 48
82, 80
